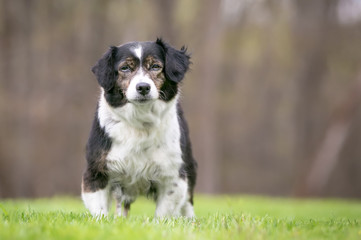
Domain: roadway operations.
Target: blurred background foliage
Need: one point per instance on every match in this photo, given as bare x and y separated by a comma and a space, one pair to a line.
272, 98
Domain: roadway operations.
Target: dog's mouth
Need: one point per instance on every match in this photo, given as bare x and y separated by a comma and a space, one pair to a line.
142, 100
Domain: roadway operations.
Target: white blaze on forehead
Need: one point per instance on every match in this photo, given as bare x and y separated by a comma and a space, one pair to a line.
138, 51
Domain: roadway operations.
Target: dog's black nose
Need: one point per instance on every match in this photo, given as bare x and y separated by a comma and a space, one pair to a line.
143, 88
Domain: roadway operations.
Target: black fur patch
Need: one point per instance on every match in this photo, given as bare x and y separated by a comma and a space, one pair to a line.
95, 176
168, 91
115, 97
176, 61
104, 69
189, 167
152, 192
127, 206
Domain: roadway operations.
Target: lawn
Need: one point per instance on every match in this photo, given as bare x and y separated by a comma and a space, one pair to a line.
221, 217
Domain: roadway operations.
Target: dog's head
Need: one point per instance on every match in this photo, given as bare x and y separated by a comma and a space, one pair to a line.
140, 72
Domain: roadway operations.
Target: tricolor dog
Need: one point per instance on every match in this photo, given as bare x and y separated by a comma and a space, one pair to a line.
139, 142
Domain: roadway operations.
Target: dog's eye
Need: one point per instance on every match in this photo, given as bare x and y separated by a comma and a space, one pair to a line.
125, 68
155, 67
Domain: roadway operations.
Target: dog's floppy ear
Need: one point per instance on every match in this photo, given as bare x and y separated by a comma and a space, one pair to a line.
176, 61
104, 69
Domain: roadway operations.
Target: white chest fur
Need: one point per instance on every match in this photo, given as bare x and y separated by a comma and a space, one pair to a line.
145, 142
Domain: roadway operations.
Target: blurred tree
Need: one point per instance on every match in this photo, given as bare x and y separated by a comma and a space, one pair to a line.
266, 89
329, 151
166, 18
211, 33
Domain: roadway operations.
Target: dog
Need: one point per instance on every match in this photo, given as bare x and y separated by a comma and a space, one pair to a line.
139, 141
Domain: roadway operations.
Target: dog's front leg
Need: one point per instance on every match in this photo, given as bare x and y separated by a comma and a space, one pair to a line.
171, 197
96, 196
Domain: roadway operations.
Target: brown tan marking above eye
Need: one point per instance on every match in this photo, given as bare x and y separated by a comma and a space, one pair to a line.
152, 64
127, 66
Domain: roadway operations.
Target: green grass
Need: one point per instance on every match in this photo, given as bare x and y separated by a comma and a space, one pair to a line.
222, 217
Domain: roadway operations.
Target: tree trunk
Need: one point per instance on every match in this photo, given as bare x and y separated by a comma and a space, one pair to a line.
336, 134
209, 69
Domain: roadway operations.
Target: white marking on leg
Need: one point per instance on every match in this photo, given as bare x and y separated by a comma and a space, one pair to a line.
187, 210
97, 202
118, 208
171, 198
